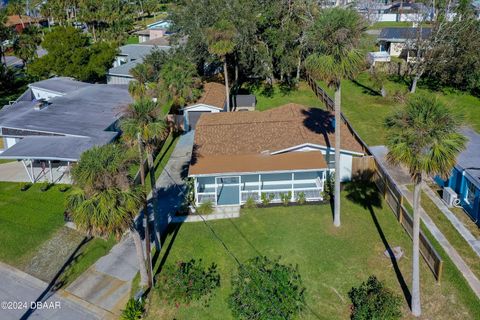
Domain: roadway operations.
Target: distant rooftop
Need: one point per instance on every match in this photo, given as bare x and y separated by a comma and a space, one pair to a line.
403, 34
68, 124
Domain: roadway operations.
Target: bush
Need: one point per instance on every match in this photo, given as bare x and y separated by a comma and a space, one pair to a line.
265, 289
250, 203
64, 188
285, 197
371, 300
26, 186
187, 281
190, 192
301, 198
329, 187
205, 208
133, 310
267, 198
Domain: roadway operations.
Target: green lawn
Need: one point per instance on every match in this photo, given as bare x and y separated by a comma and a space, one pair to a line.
330, 260
133, 39
27, 219
88, 254
303, 95
366, 109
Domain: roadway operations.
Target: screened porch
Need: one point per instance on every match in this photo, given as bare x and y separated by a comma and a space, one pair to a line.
236, 189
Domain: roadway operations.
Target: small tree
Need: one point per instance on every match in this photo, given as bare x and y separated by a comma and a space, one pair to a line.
371, 300
25, 45
265, 289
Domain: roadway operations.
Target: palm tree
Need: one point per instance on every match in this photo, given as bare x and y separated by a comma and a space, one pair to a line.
145, 118
26, 44
423, 137
221, 42
103, 202
142, 74
334, 38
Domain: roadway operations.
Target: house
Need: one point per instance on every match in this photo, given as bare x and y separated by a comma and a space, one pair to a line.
18, 23
244, 102
465, 177
213, 100
128, 57
285, 150
156, 30
399, 42
57, 119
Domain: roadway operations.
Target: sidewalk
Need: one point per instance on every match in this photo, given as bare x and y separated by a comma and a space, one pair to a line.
19, 286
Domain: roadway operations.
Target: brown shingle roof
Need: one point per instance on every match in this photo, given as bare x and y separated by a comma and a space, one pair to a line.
13, 20
250, 134
213, 95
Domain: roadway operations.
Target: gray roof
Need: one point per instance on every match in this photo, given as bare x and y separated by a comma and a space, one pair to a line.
469, 159
403, 34
135, 51
245, 100
61, 85
135, 54
85, 115
124, 69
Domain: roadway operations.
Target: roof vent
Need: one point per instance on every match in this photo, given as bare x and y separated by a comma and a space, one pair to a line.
40, 104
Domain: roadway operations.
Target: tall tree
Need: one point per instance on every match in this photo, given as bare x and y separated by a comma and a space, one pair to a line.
221, 42
424, 137
5, 34
26, 44
17, 7
334, 39
145, 118
104, 202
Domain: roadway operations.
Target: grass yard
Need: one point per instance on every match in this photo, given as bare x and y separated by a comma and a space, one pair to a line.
278, 97
133, 39
330, 260
366, 109
27, 219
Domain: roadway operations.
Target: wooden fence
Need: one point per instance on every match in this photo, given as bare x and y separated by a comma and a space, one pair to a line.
391, 193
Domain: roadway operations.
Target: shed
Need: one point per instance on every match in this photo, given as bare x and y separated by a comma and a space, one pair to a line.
245, 102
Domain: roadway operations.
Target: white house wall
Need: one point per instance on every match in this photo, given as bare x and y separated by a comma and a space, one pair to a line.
345, 167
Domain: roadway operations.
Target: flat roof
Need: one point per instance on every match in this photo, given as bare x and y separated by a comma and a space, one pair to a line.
403, 34
250, 139
469, 159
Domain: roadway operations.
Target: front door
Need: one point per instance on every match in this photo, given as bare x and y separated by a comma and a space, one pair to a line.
228, 190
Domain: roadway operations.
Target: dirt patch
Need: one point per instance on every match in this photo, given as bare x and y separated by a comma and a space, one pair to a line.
53, 254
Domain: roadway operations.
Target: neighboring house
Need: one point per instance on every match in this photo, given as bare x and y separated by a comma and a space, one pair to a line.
15, 22
400, 42
128, 57
241, 155
57, 119
244, 102
156, 30
212, 100
465, 177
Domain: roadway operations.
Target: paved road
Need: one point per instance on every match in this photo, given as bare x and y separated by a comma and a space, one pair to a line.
17, 286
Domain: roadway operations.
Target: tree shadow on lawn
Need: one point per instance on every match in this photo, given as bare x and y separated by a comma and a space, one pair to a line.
366, 89
362, 190
55, 284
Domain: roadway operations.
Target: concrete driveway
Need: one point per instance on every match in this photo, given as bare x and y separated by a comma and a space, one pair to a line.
19, 287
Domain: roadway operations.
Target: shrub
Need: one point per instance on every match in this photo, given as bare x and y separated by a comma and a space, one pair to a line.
133, 310
250, 203
329, 187
26, 186
64, 188
205, 208
285, 197
45, 186
301, 198
190, 192
267, 198
265, 289
187, 281
371, 300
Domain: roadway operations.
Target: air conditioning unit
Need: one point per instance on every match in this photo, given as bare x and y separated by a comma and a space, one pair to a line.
449, 196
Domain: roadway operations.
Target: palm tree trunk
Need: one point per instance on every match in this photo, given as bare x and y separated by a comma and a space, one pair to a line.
414, 84
153, 183
140, 257
299, 65
416, 307
338, 119
227, 90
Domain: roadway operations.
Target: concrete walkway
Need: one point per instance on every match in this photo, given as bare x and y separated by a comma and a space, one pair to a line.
107, 283
402, 178
17, 286
464, 232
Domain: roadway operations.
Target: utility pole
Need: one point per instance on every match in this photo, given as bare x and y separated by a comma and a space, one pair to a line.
148, 248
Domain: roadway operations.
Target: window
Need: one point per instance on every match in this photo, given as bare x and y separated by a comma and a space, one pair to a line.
470, 193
